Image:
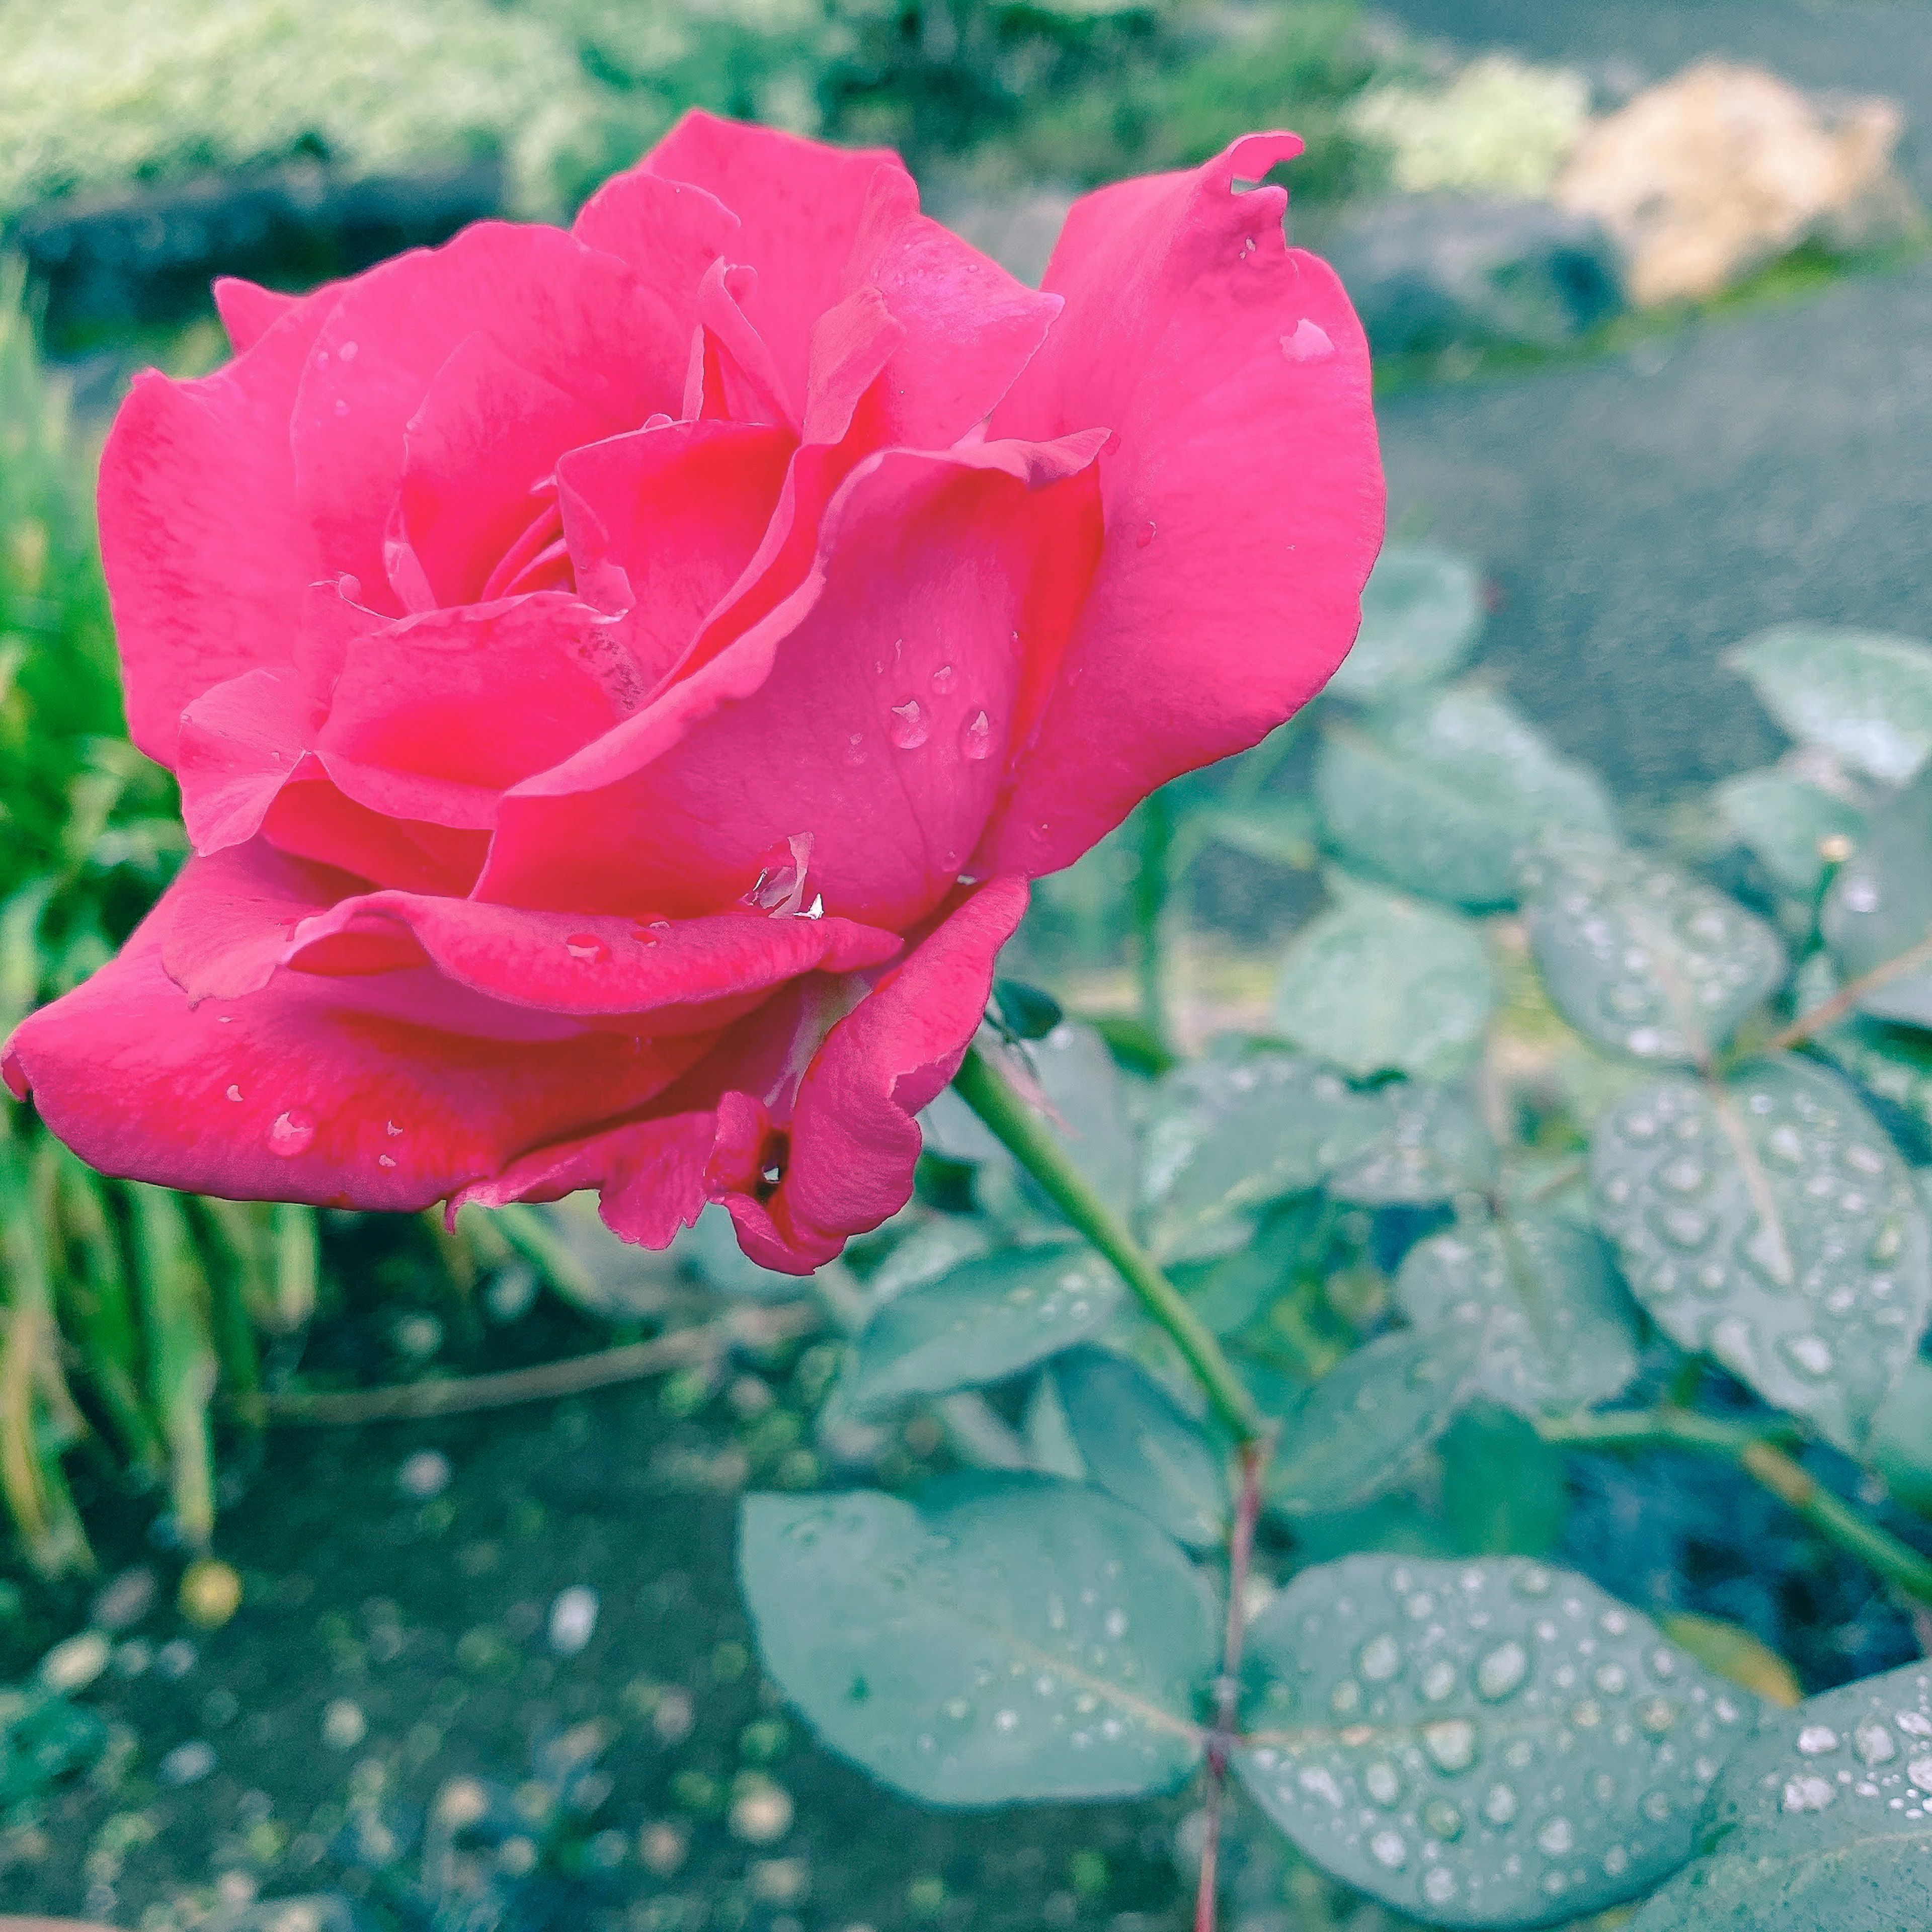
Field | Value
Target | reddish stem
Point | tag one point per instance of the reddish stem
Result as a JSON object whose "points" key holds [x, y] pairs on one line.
{"points": [[1254, 1460]]}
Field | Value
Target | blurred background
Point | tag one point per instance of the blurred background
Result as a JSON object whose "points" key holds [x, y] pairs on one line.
{"points": [[1651, 307]]}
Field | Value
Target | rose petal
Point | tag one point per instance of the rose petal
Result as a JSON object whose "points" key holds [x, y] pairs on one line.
{"points": [[669, 232], [800, 203], [664, 521], [293, 1095], [487, 433], [853, 1137], [248, 310], [867, 711], [731, 375], [1243, 498], [207, 554], [579, 320], [311, 819]]}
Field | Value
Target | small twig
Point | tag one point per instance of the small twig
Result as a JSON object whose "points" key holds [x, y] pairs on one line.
{"points": [[1752, 1447], [1254, 1459], [1843, 1003], [573, 1375]]}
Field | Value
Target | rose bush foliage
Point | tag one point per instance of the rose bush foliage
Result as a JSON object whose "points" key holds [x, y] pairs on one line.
{"points": [[622, 681]]}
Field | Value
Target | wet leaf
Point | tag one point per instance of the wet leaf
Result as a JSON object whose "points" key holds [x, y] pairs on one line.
{"points": [[1820, 1822], [1901, 1435], [1137, 1445], [1862, 694], [1879, 908], [1227, 1136], [1011, 1638], [1367, 1419], [1770, 1223], [1787, 820], [1422, 608], [1505, 1491], [1641, 957], [1440, 794], [1086, 1095], [709, 1249], [1281, 831], [1485, 1744], [1381, 984], [1026, 1012], [1435, 1147], [984, 1322], [1560, 1333], [1732, 1651]]}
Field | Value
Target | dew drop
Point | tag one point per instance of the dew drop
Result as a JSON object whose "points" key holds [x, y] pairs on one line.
{"points": [[392, 1128], [1810, 1354], [1499, 1673], [976, 737], [1310, 343], [1657, 1715], [1808, 1793], [911, 725], [1388, 1850], [1440, 1820], [291, 1132], [1499, 1803], [1556, 1836], [234, 1092], [1006, 1720], [1380, 1782], [1686, 1228], [1785, 1143], [1438, 1680], [1318, 1783], [1613, 1679], [855, 748], [1450, 1744], [1920, 1772], [944, 679], [1657, 1806], [1146, 536], [1379, 1659], [1816, 1739], [1438, 1884], [588, 947], [1874, 1743]]}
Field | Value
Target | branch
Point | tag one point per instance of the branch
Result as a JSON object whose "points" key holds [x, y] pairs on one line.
{"points": [[984, 1088], [1752, 1447], [1843, 1004]]}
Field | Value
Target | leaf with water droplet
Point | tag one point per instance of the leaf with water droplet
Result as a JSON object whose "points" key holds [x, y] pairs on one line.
{"points": [[1010, 1638], [1861, 693], [1894, 1063], [1422, 608], [1439, 794], [1369, 1417], [1484, 1744], [984, 1322], [1560, 1328], [1878, 908], [1787, 821], [1435, 1147], [1821, 1821], [1639, 956], [1732, 1651], [1382, 985], [1138, 1446], [1769, 1223], [1227, 1136]]}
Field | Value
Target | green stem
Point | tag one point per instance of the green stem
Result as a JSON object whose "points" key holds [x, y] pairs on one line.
{"points": [[1150, 908], [1754, 1448], [987, 1090]]}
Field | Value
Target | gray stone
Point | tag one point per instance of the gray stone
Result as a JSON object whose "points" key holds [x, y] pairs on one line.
{"points": [[1429, 272]]}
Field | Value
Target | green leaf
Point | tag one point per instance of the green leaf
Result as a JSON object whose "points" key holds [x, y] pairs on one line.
{"points": [[1435, 1147], [709, 1248], [1639, 956], [1025, 1012], [1732, 1651], [1560, 1333], [1484, 1744], [1880, 907], [1505, 1491], [1138, 1446], [984, 1322], [1380, 985], [1440, 794], [1422, 608], [1863, 694], [930, 1253], [1787, 820], [1901, 1435], [1367, 1420], [1820, 1821], [1011, 1638], [1087, 1095], [1228, 1135], [1281, 831], [1770, 1223]]}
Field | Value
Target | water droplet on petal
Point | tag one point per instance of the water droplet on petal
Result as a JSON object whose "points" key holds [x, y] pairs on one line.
{"points": [[944, 679], [976, 737], [911, 725], [1145, 537], [1309, 343], [385, 1160], [234, 1092], [291, 1132], [587, 947], [779, 889], [392, 1128]]}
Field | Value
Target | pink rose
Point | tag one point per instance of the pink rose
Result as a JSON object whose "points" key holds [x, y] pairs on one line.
{"points": [[622, 681]]}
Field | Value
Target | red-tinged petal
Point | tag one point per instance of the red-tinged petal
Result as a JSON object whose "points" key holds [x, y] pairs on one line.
{"points": [[868, 712], [669, 233], [208, 553], [579, 320], [853, 1138], [970, 327], [488, 433], [311, 819], [435, 716], [293, 1094], [800, 204], [731, 375], [240, 744], [853, 344], [1243, 496], [248, 310], [664, 521]]}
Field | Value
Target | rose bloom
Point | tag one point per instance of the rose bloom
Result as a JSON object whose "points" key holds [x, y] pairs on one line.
{"points": [[622, 681]]}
